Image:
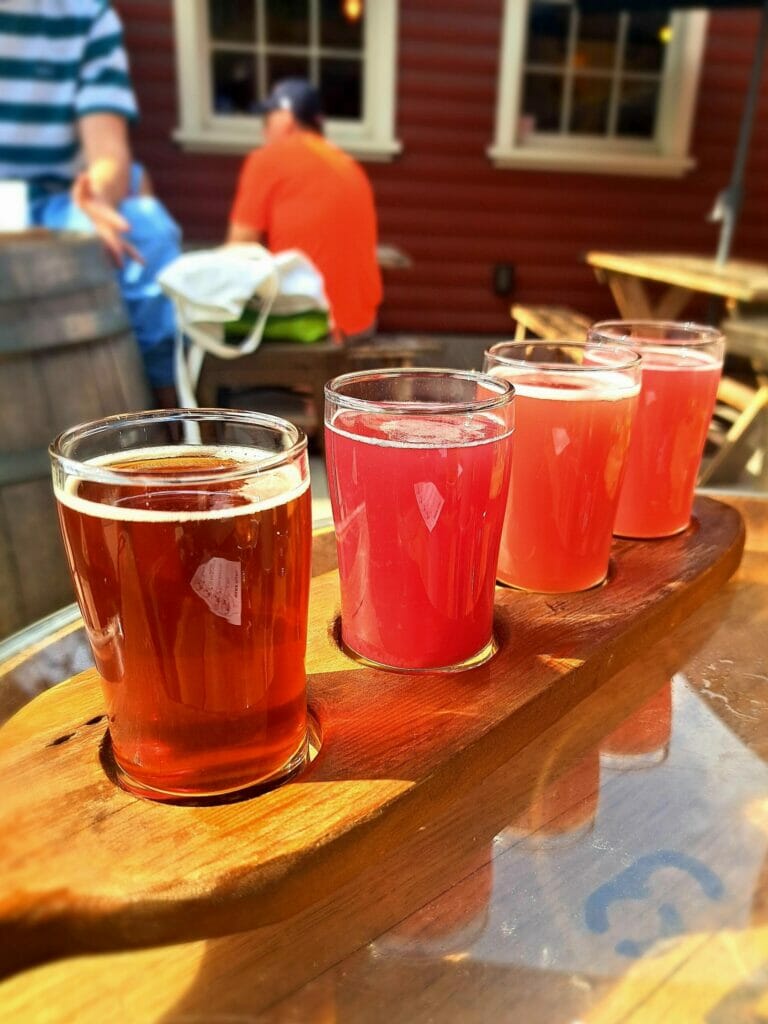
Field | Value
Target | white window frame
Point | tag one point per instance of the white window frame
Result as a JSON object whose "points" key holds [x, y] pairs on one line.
{"points": [[666, 155], [202, 130]]}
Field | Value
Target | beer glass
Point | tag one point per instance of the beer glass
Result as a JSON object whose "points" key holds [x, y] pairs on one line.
{"points": [[574, 414], [418, 467], [188, 536], [681, 370]]}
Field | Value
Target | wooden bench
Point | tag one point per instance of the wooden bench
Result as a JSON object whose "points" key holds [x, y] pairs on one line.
{"points": [[747, 435], [306, 368], [553, 323]]}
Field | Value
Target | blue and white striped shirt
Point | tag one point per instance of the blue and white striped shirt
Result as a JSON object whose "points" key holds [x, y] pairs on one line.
{"points": [[59, 60]]}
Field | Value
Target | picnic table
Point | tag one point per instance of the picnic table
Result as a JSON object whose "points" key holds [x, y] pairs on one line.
{"points": [[615, 868], [629, 275]]}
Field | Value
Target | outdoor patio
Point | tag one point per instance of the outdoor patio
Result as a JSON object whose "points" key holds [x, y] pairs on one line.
{"points": [[485, 739]]}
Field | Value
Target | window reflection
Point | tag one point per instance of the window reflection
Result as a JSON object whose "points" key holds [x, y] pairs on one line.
{"points": [[548, 33], [591, 102], [597, 40], [645, 47], [321, 40], [234, 82], [542, 99], [638, 108], [288, 22], [596, 74], [232, 21], [341, 87]]}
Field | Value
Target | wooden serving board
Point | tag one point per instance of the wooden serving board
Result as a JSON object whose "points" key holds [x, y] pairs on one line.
{"points": [[86, 867]]}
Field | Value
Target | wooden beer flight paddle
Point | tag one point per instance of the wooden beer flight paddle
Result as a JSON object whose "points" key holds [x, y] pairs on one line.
{"points": [[87, 867]]}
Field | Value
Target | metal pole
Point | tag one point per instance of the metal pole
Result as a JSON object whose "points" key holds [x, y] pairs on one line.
{"points": [[733, 196]]}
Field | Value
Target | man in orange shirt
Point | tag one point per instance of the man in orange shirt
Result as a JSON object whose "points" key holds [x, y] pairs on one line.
{"points": [[301, 192]]}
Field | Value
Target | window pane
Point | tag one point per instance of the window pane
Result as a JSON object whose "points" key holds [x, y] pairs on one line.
{"points": [[340, 24], [341, 86], [284, 66], [288, 22], [638, 104], [547, 33], [596, 45], [234, 82], [646, 42], [232, 20], [589, 112], [542, 97]]}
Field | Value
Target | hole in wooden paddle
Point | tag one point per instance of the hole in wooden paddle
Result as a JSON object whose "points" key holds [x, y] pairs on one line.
{"points": [[61, 739], [334, 632]]}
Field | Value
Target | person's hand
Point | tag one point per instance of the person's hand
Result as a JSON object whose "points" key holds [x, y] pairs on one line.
{"points": [[109, 224]]}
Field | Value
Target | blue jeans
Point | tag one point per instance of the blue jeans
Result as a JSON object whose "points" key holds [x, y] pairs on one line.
{"points": [[157, 237]]}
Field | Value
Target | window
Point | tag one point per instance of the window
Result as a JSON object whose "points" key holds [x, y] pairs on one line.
{"points": [[230, 53], [602, 92]]}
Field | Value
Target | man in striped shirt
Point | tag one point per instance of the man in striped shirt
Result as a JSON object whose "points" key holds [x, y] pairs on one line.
{"points": [[65, 104]]}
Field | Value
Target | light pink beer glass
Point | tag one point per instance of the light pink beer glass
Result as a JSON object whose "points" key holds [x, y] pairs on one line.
{"points": [[573, 420], [681, 363], [418, 470]]}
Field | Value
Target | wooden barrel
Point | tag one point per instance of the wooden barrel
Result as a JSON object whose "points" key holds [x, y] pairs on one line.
{"points": [[67, 354]]}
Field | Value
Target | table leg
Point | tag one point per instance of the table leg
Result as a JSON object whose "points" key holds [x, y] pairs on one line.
{"points": [[634, 302], [672, 303], [630, 296]]}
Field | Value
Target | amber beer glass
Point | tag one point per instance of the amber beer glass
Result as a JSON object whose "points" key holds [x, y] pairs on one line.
{"points": [[188, 536]]}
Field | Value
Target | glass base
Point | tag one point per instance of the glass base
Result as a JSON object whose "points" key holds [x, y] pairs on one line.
{"points": [[306, 753], [653, 536], [633, 762], [434, 947], [484, 654], [543, 839], [553, 593]]}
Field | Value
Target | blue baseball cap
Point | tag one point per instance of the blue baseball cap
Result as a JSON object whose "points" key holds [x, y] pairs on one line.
{"points": [[297, 95]]}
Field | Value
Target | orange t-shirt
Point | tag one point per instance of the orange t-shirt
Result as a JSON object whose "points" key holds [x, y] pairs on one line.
{"points": [[304, 193]]}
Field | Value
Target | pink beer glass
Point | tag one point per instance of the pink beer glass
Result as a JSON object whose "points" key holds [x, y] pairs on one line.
{"points": [[418, 470], [681, 364], [572, 427]]}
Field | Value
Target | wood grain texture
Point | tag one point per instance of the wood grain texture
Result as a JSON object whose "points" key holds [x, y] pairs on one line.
{"points": [[553, 323], [397, 752], [740, 280], [67, 355], [34, 265]]}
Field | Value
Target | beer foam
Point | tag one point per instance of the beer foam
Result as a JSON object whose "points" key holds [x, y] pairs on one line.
{"points": [[673, 359], [427, 431], [266, 490], [580, 386]]}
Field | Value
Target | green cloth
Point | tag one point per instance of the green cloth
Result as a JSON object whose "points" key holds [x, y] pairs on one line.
{"points": [[302, 327]]}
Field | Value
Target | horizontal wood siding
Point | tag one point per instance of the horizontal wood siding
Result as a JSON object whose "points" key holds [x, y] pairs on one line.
{"points": [[442, 200]]}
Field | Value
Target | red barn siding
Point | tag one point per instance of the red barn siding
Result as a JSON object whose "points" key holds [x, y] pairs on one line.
{"points": [[444, 203]]}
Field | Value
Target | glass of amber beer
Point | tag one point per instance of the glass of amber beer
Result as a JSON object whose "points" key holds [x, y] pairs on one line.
{"points": [[188, 536]]}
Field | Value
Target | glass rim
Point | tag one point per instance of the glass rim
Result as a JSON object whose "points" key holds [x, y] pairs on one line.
{"points": [[700, 334], [504, 393], [124, 477], [625, 362]]}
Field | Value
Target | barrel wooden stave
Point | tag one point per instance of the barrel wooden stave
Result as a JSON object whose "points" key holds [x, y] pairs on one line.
{"points": [[67, 355]]}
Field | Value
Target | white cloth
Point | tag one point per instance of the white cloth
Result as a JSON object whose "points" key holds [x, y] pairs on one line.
{"points": [[211, 287]]}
